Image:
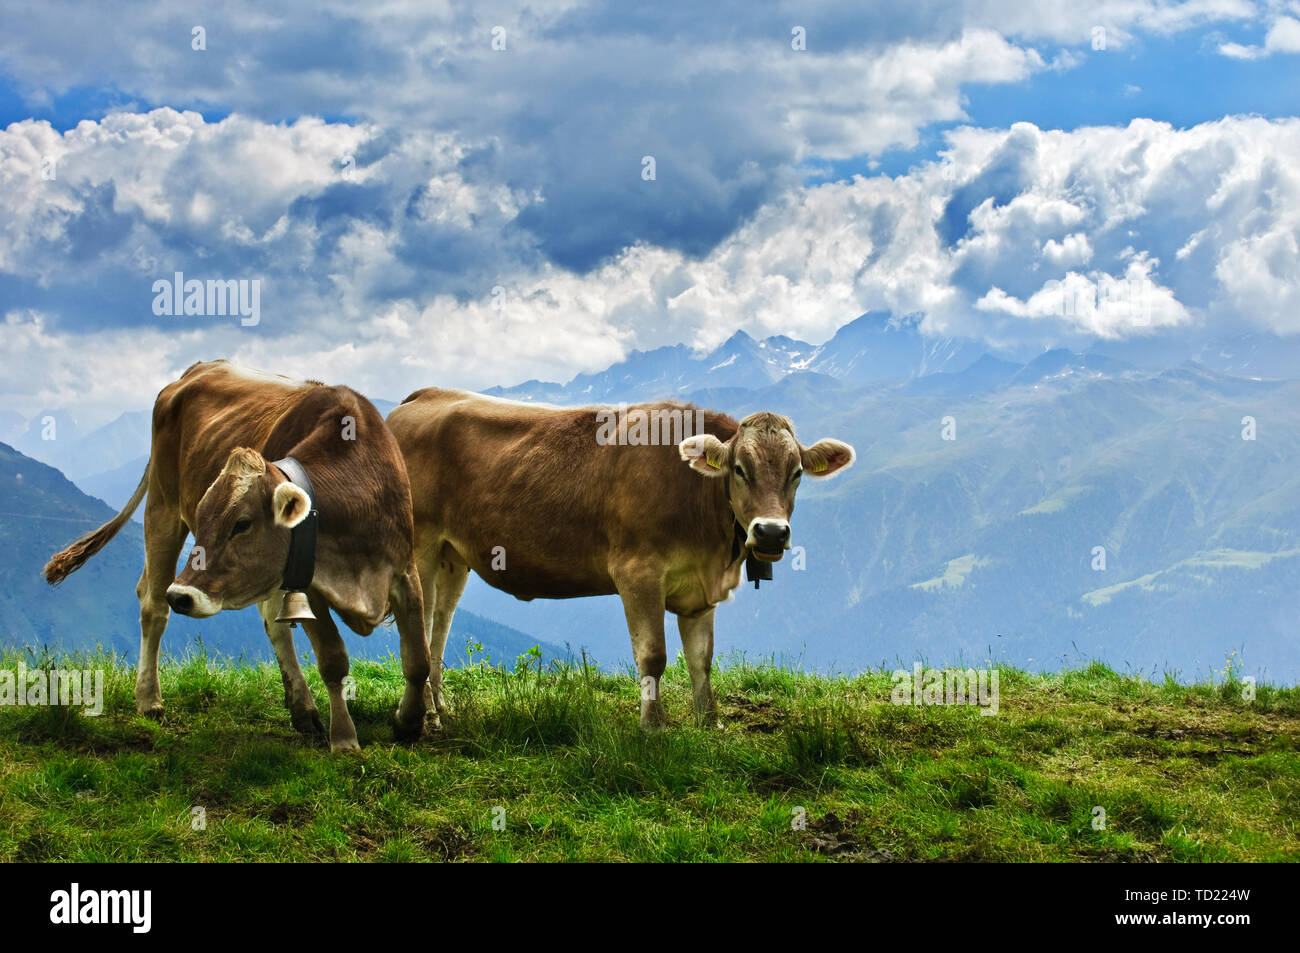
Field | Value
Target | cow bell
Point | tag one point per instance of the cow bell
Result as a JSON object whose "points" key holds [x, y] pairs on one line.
{"points": [[295, 609]]}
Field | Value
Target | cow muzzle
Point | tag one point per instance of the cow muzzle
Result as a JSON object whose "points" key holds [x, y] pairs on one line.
{"points": [[768, 538], [187, 600]]}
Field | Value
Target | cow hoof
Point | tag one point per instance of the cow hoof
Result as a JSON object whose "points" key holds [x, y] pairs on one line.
{"points": [[407, 729], [154, 710], [307, 722], [432, 721], [433, 699], [344, 744], [653, 717], [709, 721]]}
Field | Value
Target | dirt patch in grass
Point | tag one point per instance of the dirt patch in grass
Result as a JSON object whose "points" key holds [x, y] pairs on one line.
{"points": [[760, 717], [448, 843], [833, 836], [365, 846], [286, 813], [1204, 740], [1113, 855]]}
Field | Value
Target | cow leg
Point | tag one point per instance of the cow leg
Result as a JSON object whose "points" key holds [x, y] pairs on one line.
{"points": [[697, 644], [297, 696], [164, 535], [444, 582], [643, 604], [408, 610], [332, 662]]}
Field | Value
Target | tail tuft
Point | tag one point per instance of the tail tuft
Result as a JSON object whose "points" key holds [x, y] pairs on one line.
{"points": [[67, 561]]}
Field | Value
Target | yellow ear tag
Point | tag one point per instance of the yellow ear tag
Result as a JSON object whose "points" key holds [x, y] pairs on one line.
{"points": [[819, 466], [712, 460]]}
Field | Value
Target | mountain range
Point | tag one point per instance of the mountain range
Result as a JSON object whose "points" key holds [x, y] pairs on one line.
{"points": [[1132, 504]]}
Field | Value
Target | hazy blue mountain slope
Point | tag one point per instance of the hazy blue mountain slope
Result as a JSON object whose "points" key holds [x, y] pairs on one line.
{"points": [[79, 454], [115, 486]]}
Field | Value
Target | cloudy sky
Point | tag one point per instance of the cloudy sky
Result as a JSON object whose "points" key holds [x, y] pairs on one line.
{"points": [[461, 193]]}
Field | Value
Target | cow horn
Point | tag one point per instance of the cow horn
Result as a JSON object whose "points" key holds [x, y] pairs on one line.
{"points": [[295, 609]]}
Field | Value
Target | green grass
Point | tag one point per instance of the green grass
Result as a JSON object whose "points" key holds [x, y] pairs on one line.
{"points": [[1183, 773]]}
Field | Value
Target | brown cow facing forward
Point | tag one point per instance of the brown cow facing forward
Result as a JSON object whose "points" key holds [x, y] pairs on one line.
{"points": [[541, 504], [216, 432]]}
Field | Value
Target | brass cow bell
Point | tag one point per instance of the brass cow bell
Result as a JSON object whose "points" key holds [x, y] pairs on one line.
{"points": [[295, 609]]}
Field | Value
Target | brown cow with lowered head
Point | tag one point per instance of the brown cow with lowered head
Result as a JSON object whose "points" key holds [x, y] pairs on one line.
{"points": [[537, 502], [216, 431]]}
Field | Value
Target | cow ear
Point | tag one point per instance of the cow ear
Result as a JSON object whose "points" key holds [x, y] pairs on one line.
{"points": [[705, 453], [827, 457], [291, 504]]}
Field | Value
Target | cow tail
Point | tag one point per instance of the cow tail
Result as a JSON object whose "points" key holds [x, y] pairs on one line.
{"points": [[67, 561]]}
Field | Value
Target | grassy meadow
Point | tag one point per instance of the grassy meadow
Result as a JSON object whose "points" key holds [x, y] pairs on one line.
{"points": [[550, 765]]}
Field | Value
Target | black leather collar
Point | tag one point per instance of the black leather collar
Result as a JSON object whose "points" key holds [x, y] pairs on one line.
{"points": [[300, 566]]}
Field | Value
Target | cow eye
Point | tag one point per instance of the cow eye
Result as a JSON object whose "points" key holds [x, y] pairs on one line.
{"points": [[739, 471], [794, 477], [242, 526]]}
